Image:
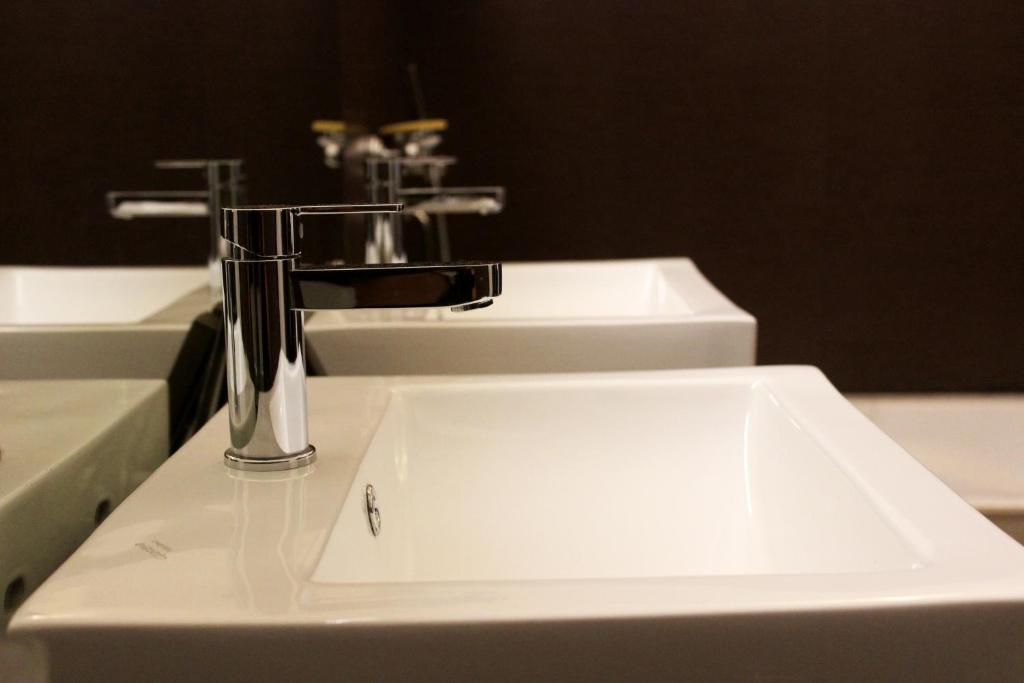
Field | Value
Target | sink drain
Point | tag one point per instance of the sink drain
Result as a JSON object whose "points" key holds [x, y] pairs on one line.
{"points": [[372, 512]]}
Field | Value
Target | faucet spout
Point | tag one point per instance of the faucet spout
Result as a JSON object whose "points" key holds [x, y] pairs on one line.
{"points": [[396, 286]]}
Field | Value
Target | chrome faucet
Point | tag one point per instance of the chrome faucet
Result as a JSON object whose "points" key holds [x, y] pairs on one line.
{"points": [[266, 292], [384, 236], [406, 171], [386, 181], [411, 171], [224, 187]]}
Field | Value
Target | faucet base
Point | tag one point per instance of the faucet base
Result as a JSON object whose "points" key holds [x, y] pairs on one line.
{"points": [[248, 463]]}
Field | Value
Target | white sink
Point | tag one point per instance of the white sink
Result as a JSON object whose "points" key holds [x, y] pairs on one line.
{"points": [[82, 296], [551, 317], [70, 450], [58, 322], [716, 469], [973, 442], [730, 523]]}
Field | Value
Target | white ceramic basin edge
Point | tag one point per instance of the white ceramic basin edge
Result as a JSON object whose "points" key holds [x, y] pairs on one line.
{"points": [[557, 316], [95, 322], [198, 545]]}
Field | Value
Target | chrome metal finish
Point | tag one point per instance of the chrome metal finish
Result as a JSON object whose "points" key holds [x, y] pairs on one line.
{"points": [[410, 170], [289, 462], [265, 365], [273, 231], [372, 511], [265, 294], [225, 186], [384, 243], [387, 178], [483, 303], [395, 286], [196, 164], [436, 201], [422, 164], [157, 203]]}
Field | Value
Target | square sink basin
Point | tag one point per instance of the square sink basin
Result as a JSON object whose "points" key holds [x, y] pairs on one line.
{"points": [[580, 316], [70, 451], [720, 476], [732, 524], [80, 323]]}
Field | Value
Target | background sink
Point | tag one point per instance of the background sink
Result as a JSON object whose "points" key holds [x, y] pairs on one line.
{"points": [[974, 443], [551, 317], [70, 451], [76, 296], [75, 323], [562, 527]]}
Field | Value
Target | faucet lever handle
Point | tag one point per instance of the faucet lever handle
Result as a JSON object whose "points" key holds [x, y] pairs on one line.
{"points": [[334, 209], [199, 164], [275, 231]]}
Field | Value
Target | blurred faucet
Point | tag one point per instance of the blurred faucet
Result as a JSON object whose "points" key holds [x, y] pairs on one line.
{"points": [[401, 165], [331, 135], [410, 172], [224, 187], [429, 201], [266, 291]]}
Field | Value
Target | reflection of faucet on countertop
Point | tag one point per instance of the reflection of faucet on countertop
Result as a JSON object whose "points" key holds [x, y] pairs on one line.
{"points": [[224, 187], [266, 291]]}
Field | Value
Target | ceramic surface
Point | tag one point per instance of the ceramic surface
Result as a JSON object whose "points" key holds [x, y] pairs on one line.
{"points": [[737, 523], [551, 317], [974, 443], [84, 323], [82, 296], [70, 451]]}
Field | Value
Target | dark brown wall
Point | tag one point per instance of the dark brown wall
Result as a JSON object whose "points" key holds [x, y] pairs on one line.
{"points": [[95, 91], [850, 173]]}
